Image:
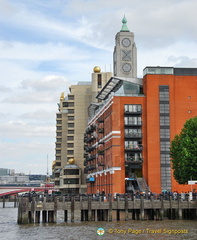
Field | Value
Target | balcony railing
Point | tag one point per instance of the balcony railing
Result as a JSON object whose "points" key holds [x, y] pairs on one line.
{"points": [[133, 135], [101, 152], [133, 123], [133, 160], [134, 147], [133, 112]]}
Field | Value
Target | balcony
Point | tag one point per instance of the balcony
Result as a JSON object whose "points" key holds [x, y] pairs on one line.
{"points": [[89, 149], [134, 147], [133, 123], [101, 130], [100, 121], [133, 135], [89, 168], [101, 152], [90, 158], [90, 129], [127, 112], [133, 160]]}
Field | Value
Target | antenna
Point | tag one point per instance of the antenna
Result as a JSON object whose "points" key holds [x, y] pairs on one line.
{"points": [[47, 167]]}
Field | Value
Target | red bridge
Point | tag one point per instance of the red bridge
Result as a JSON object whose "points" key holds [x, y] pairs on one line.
{"points": [[6, 191]]}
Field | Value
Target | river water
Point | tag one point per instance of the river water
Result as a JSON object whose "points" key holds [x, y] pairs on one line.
{"points": [[148, 230]]}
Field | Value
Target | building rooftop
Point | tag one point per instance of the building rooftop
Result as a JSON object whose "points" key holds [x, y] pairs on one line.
{"points": [[170, 71], [123, 85]]}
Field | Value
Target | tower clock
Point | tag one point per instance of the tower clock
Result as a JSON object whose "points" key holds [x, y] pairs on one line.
{"points": [[125, 53]]}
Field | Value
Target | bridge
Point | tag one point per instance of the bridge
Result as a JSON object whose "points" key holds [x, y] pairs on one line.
{"points": [[7, 191]]}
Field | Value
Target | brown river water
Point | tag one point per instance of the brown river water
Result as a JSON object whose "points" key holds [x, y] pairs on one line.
{"points": [[164, 230]]}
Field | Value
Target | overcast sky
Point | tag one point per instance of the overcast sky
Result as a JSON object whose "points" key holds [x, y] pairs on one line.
{"points": [[48, 45]]}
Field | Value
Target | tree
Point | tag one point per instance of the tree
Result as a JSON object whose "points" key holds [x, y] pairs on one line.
{"points": [[183, 152]]}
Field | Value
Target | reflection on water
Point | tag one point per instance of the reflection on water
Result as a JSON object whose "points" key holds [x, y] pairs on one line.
{"points": [[167, 229]]}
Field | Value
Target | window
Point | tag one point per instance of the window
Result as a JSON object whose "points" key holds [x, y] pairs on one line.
{"points": [[59, 121], [71, 181], [65, 104], [164, 108], [59, 128], [70, 131], [59, 134], [99, 81], [70, 125], [71, 111], [70, 152], [71, 97], [165, 146], [70, 138], [133, 120], [70, 118], [164, 133], [71, 171], [164, 120], [132, 145], [133, 132], [70, 145], [133, 108], [59, 115], [58, 145], [58, 151], [71, 104]]}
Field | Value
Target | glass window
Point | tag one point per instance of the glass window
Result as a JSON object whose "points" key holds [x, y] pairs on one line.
{"points": [[70, 138], [71, 97], [70, 152], [70, 125], [71, 171], [71, 181], [70, 145], [70, 131], [99, 81], [70, 111]]}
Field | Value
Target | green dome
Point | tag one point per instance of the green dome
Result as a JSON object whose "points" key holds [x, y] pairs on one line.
{"points": [[124, 25]]}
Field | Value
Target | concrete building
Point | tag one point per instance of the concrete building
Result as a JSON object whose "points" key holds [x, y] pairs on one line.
{"points": [[71, 122]]}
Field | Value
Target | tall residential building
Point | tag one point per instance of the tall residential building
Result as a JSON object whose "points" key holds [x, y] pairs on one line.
{"points": [[71, 122], [128, 135]]}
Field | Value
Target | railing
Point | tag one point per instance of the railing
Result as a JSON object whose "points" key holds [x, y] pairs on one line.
{"points": [[115, 197], [134, 147], [133, 135], [133, 123], [133, 160]]}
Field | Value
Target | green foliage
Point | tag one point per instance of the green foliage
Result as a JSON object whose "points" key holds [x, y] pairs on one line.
{"points": [[183, 152]]}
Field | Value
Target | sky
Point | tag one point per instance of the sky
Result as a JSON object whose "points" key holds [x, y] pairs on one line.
{"points": [[48, 45]]}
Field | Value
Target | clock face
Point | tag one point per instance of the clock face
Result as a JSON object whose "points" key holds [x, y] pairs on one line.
{"points": [[126, 67], [126, 42], [126, 55]]}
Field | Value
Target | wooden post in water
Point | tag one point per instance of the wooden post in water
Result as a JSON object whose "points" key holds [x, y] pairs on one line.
{"points": [[3, 201], [23, 210], [72, 208], [110, 207], [141, 207], [55, 210], [162, 207], [126, 207], [117, 208], [89, 208], [170, 206], [180, 213], [32, 213]]}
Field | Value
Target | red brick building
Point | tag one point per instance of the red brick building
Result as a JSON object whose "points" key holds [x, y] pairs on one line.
{"points": [[128, 137], [130, 128]]}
